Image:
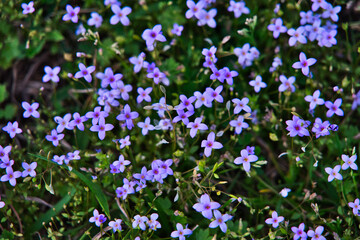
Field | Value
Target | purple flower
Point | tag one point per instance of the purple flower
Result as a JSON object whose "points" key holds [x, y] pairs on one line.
{"points": [[194, 9], [349, 162], [186, 103], [138, 62], [306, 17], [12, 129], [30, 110], [257, 84], [145, 126], [177, 29], [297, 36], [314, 99], [115, 225], [161, 106], [205, 206], [153, 224], [11, 176], [72, 14], [54, 137], [2, 204], [157, 75], [124, 89], [297, 126], [284, 192], [156, 173], [227, 75], [331, 12], [120, 15], [181, 232], [314, 30], [275, 219], [277, 27], [299, 232], [28, 8], [140, 221], [108, 77], [152, 35], [304, 63], [220, 220], [195, 126], [120, 164], [97, 218], [203, 99], [29, 169], [239, 124], [318, 3], [238, 8], [183, 116], [127, 116], [215, 94], [245, 159], [142, 176], [355, 206], [333, 173], [210, 143], [4, 153], [101, 128], [317, 234], [58, 159], [241, 105], [95, 20], [207, 17], [321, 128], [85, 72], [144, 94], [125, 142], [287, 84], [96, 115], [334, 108], [51, 74], [250, 150], [78, 121], [63, 123]]}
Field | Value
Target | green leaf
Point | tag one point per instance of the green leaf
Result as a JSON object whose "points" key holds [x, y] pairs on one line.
{"points": [[55, 36], [7, 235], [96, 189], [273, 137], [3, 93], [46, 217]]}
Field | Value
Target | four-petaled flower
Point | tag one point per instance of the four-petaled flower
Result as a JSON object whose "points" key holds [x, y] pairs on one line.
{"points": [[275, 219], [239, 124], [12, 129], [257, 83], [152, 35], [116, 225], [101, 128], [97, 218], [54, 137], [127, 116], [72, 14], [314, 99], [30, 110], [120, 15], [180, 232], [333, 173], [349, 162], [355, 206], [277, 27], [210, 143], [195, 126], [304, 63], [317, 234], [28, 8], [11, 176], [334, 108], [29, 169], [245, 159], [85, 72], [220, 220], [299, 232], [205, 206], [51, 74]]}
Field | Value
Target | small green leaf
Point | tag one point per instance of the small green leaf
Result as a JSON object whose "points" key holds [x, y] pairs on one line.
{"points": [[273, 137]]}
